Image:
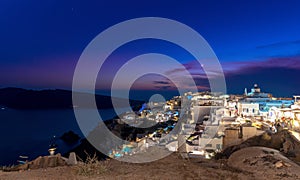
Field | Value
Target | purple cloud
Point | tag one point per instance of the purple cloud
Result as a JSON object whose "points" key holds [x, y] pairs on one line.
{"points": [[279, 76], [279, 62], [282, 72]]}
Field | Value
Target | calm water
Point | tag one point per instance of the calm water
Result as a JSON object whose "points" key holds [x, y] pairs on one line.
{"points": [[28, 132]]}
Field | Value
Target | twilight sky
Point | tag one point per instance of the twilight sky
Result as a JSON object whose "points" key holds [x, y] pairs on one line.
{"points": [[255, 41]]}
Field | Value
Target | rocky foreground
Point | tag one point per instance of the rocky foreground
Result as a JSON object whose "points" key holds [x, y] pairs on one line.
{"points": [[249, 160], [248, 163]]}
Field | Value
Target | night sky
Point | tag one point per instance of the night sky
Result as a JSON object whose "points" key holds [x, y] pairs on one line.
{"points": [[255, 41]]}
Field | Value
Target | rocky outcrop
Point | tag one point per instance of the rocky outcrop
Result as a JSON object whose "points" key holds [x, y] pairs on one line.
{"points": [[264, 162], [70, 137], [44, 162], [282, 141]]}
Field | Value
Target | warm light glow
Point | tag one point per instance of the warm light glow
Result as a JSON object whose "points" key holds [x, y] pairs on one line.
{"points": [[296, 123]]}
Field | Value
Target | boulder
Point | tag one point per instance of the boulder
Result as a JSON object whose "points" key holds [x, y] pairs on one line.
{"points": [[72, 159]]}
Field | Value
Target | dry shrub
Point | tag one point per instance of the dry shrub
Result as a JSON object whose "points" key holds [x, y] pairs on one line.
{"points": [[8, 168], [266, 137], [91, 166]]}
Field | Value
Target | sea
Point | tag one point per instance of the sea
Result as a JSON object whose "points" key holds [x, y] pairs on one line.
{"points": [[30, 132]]}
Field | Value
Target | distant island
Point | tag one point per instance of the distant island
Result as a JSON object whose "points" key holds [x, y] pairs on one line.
{"points": [[18, 98]]}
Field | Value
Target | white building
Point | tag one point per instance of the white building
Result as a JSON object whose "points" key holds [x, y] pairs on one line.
{"points": [[256, 95], [248, 109], [296, 104]]}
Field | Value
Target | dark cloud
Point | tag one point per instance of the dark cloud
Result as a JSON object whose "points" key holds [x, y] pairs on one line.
{"points": [[164, 87], [189, 66], [201, 82], [279, 44], [161, 82]]}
